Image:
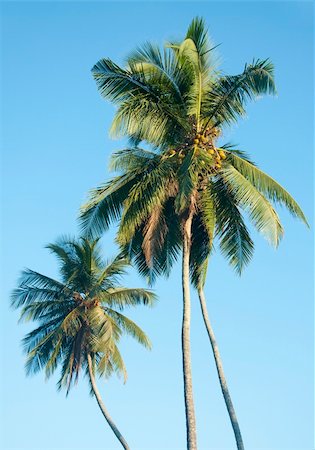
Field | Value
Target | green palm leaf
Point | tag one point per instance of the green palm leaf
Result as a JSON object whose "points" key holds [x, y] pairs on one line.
{"points": [[122, 297], [261, 213], [129, 327], [226, 100], [266, 185], [235, 242], [117, 84], [159, 68], [105, 205]]}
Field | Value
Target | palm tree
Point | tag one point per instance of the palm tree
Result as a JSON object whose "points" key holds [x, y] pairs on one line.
{"points": [[154, 245], [188, 189], [79, 325]]}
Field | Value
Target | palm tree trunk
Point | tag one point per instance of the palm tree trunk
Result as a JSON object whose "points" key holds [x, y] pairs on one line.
{"points": [[188, 391], [102, 406], [218, 362]]}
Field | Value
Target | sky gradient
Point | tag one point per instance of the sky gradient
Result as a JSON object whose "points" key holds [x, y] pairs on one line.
{"points": [[55, 147]]}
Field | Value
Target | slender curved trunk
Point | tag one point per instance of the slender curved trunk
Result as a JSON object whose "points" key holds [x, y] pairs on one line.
{"points": [[102, 406], [188, 391], [218, 362]]}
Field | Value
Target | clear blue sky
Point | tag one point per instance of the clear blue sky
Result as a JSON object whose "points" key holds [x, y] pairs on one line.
{"points": [[55, 147]]}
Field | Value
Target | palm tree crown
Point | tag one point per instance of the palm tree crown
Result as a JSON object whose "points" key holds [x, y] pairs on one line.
{"points": [[146, 196], [78, 315], [178, 102]]}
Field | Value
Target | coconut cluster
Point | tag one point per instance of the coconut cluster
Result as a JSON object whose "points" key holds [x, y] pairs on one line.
{"points": [[205, 143], [201, 144]]}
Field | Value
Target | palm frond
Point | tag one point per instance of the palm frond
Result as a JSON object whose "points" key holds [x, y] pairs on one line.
{"points": [[225, 102], [147, 121], [164, 257], [235, 242], [147, 194], [201, 247], [27, 295], [117, 84], [206, 208], [266, 185], [122, 297], [39, 354], [34, 337], [35, 286], [187, 182], [112, 272], [261, 213], [130, 327], [154, 233], [158, 67], [133, 160], [118, 363], [105, 205], [54, 358], [46, 309]]}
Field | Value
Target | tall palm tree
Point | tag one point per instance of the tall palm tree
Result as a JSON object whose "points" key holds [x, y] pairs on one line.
{"points": [[188, 189], [79, 325], [154, 244]]}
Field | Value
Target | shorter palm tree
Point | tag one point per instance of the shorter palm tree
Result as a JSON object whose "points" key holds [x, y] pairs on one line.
{"points": [[79, 326]]}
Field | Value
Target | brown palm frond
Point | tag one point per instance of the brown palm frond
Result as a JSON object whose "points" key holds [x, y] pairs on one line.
{"points": [[154, 233]]}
